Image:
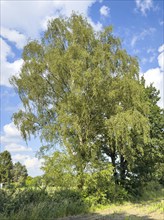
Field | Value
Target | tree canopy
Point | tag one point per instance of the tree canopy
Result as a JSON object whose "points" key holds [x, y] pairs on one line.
{"points": [[6, 166], [11, 173], [82, 90]]}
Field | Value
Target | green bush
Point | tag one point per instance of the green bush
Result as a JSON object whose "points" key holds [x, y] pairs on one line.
{"points": [[151, 190], [100, 188], [4, 198], [38, 204]]}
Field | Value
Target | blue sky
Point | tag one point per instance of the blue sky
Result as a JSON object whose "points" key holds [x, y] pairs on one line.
{"points": [[139, 24]]}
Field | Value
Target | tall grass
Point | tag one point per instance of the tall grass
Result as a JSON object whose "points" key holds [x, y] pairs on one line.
{"points": [[34, 204], [38, 204]]}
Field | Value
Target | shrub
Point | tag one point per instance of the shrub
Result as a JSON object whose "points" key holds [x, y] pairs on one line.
{"points": [[4, 198]]}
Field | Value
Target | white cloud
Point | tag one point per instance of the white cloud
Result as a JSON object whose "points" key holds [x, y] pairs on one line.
{"points": [[65, 8], [8, 69], [96, 26], [27, 160], [32, 163], [14, 36], [161, 57], [161, 61], [11, 134], [144, 5], [27, 16], [104, 10], [155, 76], [26, 19], [12, 142], [45, 21], [14, 147], [5, 50], [142, 35], [161, 48]]}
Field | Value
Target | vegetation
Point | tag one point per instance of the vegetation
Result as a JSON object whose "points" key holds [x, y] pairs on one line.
{"points": [[39, 204], [11, 173], [81, 91]]}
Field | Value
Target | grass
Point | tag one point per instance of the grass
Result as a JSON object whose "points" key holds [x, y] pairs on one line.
{"points": [[127, 211], [145, 209], [34, 205]]}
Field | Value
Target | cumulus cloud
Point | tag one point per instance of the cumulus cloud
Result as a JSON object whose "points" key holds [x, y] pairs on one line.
{"points": [[161, 61], [14, 147], [161, 48], [96, 26], [12, 142], [11, 134], [14, 36], [32, 163], [161, 57], [142, 35], [144, 5], [30, 23], [104, 10], [21, 23], [155, 75], [8, 69]]}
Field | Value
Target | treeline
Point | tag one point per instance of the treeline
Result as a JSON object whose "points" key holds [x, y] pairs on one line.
{"points": [[10, 173]]}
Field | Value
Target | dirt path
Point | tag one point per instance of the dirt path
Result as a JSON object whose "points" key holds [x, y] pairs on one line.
{"points": [[151, 211]]}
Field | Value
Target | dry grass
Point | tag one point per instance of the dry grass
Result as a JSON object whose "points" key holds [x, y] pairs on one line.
{"points": [[151, 210]]}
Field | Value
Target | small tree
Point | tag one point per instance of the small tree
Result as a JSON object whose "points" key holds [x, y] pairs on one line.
{"points": [[6, 167], [19, 174]]}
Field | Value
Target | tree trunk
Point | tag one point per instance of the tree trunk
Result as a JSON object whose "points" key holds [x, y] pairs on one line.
{"points": [[123, 168], [115, 174]]}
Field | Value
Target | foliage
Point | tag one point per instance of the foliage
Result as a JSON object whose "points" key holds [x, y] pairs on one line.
{"points": [[100, 188], [80, 89], [6, 167], [4, 198], [19, 173], [59, 170], [38, 204], [149, 166], [11, 173]]}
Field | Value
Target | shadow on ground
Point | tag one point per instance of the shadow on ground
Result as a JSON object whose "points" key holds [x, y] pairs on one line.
{"points": [[114, 216]]}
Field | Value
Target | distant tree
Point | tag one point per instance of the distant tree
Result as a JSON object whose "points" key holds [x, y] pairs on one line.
{"points": [[6, 167], [29, 180], [19, 174]]}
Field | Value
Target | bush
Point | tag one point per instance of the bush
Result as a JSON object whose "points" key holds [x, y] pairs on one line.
{"points": [[100, 188], [151, 190], [4, 198], [38, 204]]}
